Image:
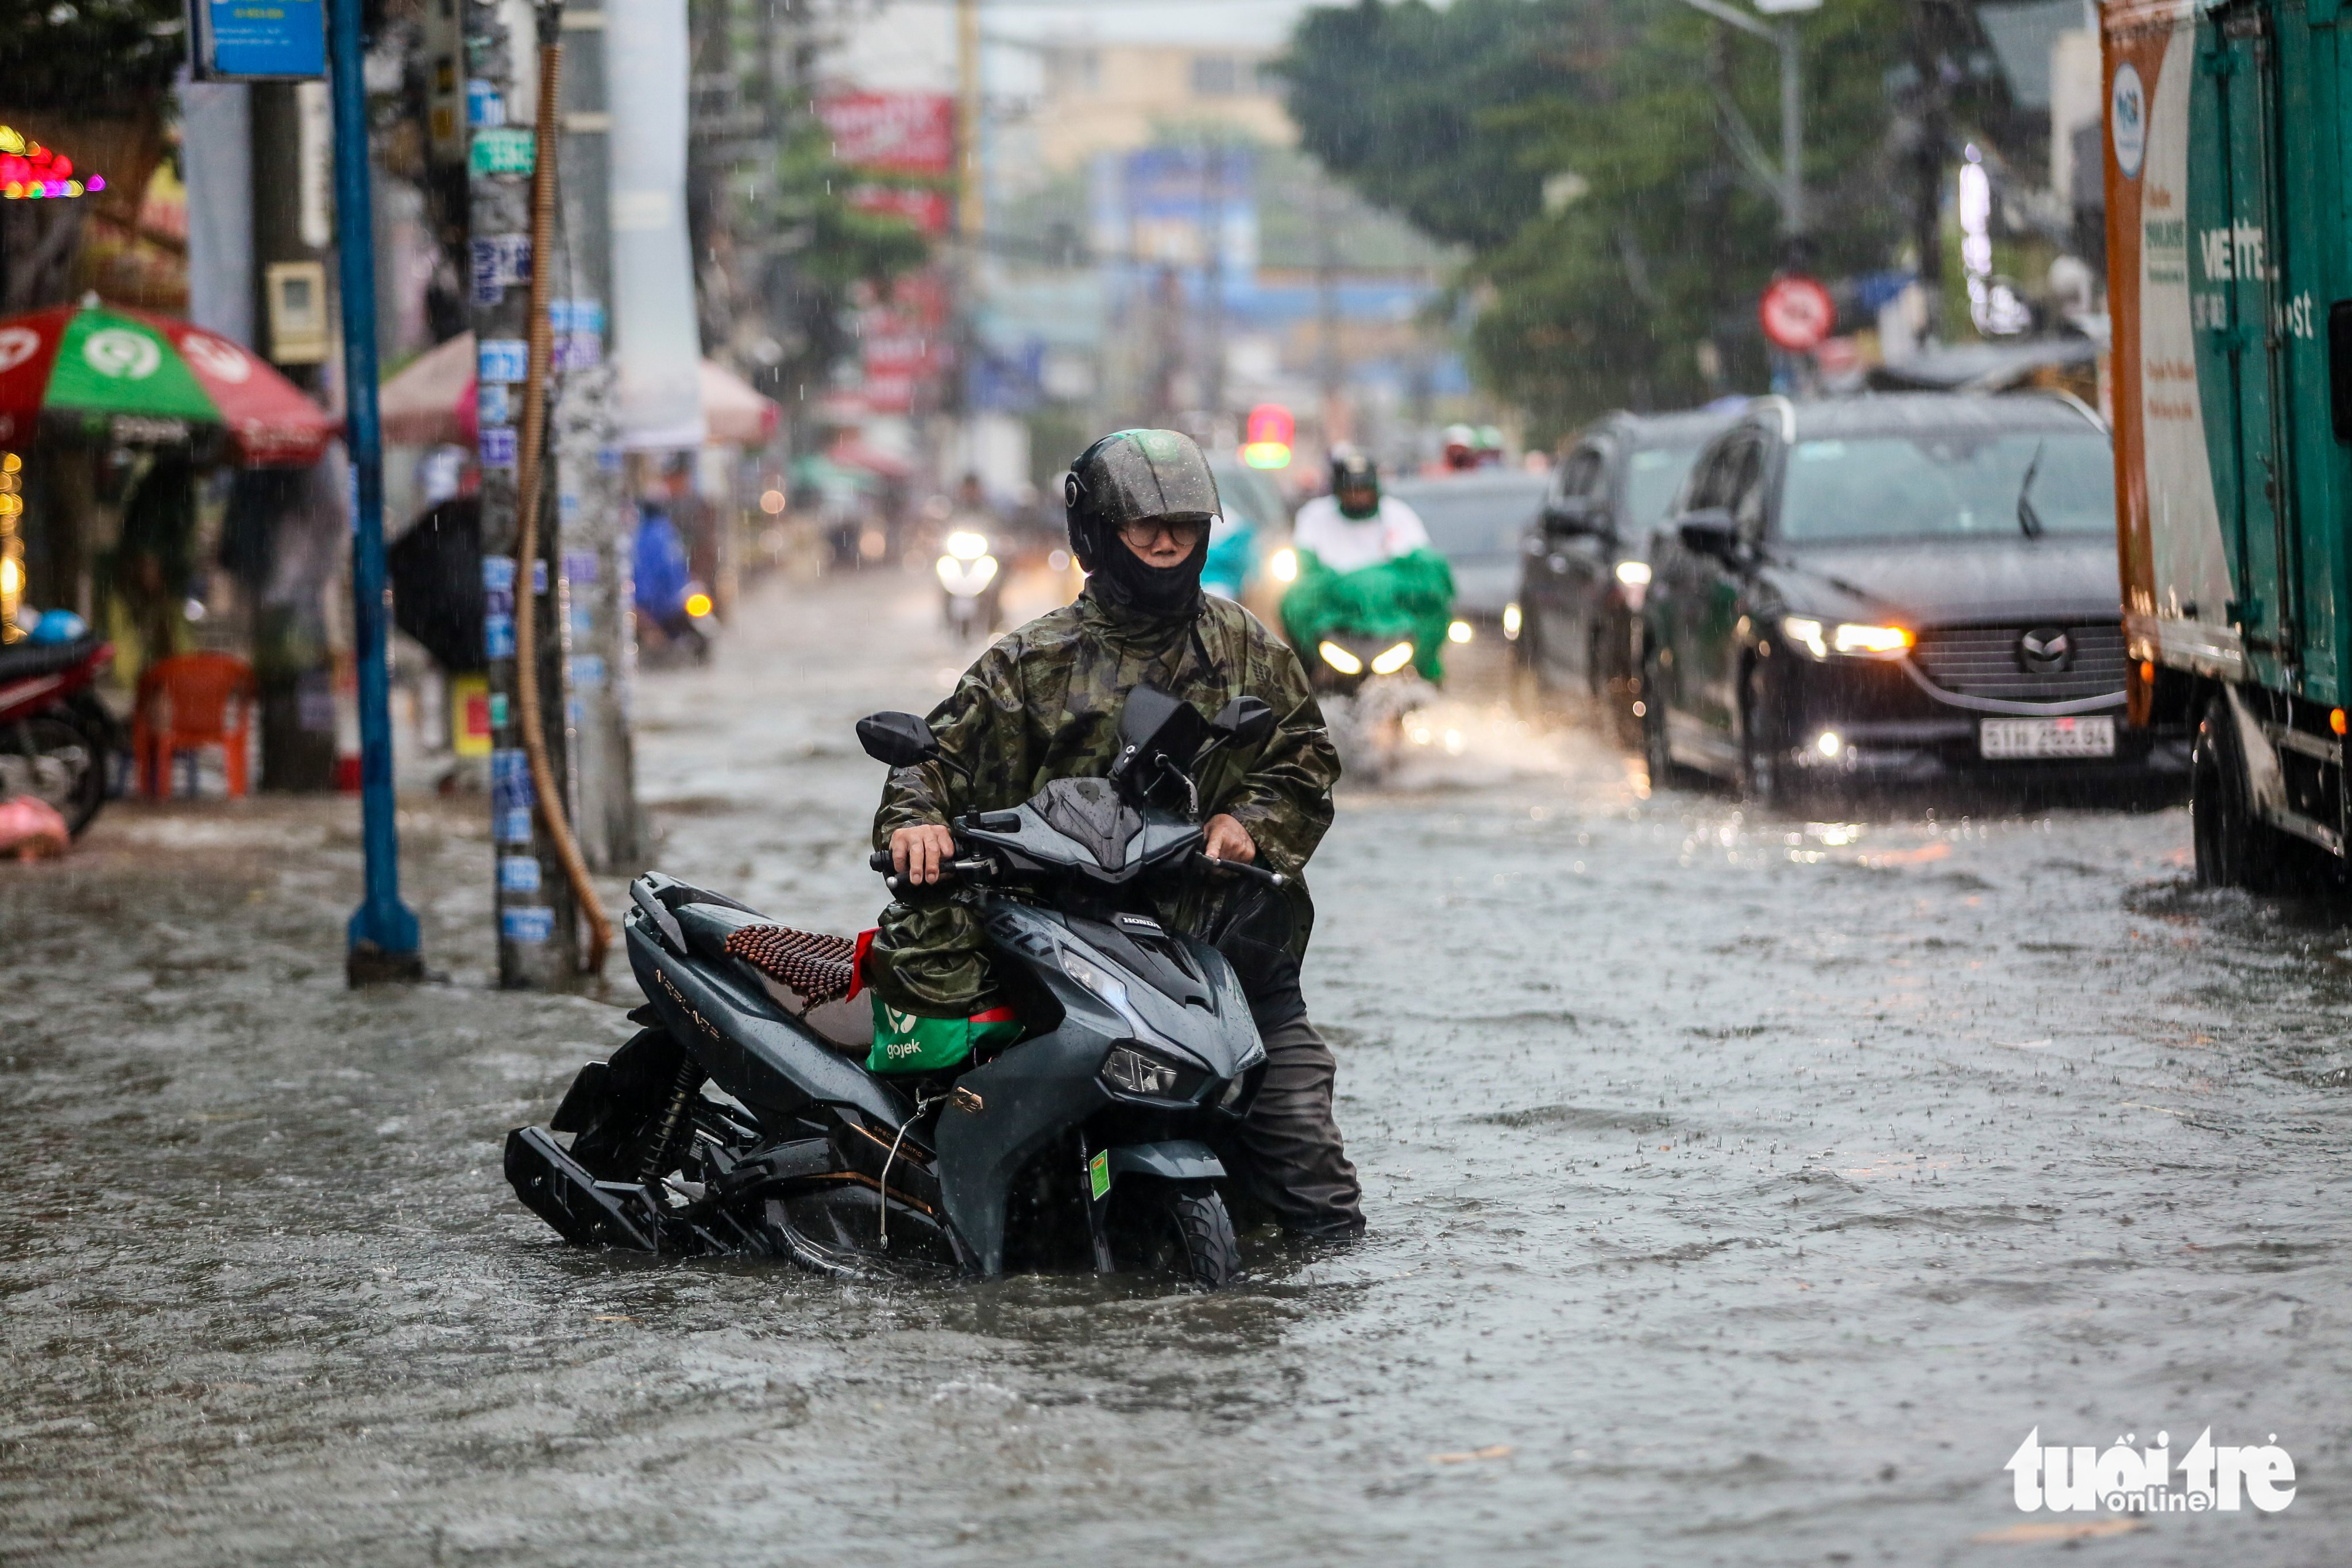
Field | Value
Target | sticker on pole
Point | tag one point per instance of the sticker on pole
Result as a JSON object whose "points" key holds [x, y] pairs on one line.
{"points": [[1796, 312]]}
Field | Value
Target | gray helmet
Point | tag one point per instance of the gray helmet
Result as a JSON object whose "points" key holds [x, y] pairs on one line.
{"points": [[1136, 476], [1131, 476]]}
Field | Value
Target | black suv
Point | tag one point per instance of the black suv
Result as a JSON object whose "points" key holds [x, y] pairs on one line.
{"points": [[1894, 588], [1583, 562]]}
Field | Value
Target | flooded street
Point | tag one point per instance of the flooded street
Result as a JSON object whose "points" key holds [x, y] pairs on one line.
{"points": [[1742, 1189]]}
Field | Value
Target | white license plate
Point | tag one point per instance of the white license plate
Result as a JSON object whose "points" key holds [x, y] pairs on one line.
{"points": [[2025, 738]]}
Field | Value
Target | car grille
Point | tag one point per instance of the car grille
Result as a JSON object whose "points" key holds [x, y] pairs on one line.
{"points": [[1984, 661]]}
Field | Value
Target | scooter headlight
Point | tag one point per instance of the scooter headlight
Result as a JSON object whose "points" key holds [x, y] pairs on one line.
{"points": [[966, 545], [964, 579], [1339, 658], [1393, 659], [1139, 1072]]}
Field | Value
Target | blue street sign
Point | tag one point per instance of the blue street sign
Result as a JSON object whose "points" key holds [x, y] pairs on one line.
{"points": [[264, 39]]}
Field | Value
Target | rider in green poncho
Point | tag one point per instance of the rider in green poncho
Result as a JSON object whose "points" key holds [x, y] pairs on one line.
{"points": [[1365, 567]]}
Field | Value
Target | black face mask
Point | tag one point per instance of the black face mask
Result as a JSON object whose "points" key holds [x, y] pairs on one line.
{"points": [[1125, 580]]}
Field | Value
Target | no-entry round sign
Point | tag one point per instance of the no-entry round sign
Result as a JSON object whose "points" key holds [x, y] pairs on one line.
{"points": [[1797, 312]]}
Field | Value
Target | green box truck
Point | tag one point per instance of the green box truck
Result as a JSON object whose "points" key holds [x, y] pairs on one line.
{"points": [[2230, 290]]}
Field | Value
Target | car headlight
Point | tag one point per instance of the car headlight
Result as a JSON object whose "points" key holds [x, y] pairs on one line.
{"points": [[1139, 1072], [1851, 639], [966, 545], [1339, 658], [1393, 659]]}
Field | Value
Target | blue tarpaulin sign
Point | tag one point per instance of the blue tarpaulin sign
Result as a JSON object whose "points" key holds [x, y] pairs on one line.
{"points": [[265, 38]]}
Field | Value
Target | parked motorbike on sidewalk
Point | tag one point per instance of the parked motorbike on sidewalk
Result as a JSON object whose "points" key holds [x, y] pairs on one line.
{"points": [[55, 736], [745, 1119], [972, 584]]}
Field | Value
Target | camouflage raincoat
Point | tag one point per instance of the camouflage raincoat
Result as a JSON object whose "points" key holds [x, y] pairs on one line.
{"points": [[1043, 703]]}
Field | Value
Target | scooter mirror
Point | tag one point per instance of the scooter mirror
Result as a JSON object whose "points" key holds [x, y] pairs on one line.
{"points": [[900, 740], [1244, 721]]}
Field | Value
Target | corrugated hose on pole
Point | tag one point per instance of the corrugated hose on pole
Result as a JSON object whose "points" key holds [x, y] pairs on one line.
{"points": [[529, 472]]}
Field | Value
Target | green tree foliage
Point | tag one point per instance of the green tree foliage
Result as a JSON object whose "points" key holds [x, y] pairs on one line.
{"points": [[1659, 234], [1396, 99]]}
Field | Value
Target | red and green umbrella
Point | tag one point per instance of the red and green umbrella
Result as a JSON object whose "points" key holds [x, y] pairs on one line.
{"points": [[95, 372]]}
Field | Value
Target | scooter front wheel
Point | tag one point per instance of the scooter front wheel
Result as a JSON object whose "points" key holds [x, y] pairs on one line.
{"points": [[1163, 1228]]}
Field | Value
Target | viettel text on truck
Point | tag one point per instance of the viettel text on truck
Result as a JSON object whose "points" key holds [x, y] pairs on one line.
{"points": [[2229, 273]]}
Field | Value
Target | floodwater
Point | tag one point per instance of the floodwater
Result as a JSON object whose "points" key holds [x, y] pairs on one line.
{"points": [[1743, 1189]]}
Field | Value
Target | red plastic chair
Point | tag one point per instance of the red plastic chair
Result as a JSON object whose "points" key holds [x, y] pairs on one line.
{"points": [[187, 702]]}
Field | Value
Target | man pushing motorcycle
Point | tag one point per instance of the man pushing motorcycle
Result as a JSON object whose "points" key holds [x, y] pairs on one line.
{"points": [[1044, 703]]}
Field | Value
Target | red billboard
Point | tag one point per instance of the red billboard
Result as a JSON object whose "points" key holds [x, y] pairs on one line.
{"points": [[910, 133], [892, 132]]}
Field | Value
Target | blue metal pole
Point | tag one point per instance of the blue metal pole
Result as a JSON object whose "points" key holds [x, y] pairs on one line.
{"points": [[382, 937]]}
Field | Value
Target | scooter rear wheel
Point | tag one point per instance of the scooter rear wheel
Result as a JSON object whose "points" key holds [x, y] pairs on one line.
{"points": [[1180, 1230], [53, 757]]}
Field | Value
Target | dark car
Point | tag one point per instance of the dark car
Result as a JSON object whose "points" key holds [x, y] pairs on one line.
{"points": [[1894, 588], [1583, 562], [1475, 521]]}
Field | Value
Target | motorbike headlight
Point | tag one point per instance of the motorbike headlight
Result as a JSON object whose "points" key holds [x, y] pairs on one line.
{"points": [[1233, 1095], [1511, 621], [983, 572], [1339, 658], [1283, 565], [1139, 1072], [950, 571], [1634, 573], [1460, 631], [1393, 659], [966, 545], [697, 606], [1091, 977]]}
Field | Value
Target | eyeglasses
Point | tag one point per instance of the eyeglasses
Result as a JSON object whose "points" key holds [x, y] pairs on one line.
{"points": [[1185, 531]]}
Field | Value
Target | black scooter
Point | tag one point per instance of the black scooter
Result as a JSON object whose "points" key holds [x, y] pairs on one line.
{"points": [[742, 1119]]}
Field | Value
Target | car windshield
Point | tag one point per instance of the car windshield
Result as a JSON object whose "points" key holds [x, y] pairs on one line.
{"points": [[1476, 519], [1952, 485], [1651, 478]]}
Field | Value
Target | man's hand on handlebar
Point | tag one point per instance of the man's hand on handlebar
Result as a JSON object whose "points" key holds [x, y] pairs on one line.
{"points": [[918, 853], [1227, 840]]}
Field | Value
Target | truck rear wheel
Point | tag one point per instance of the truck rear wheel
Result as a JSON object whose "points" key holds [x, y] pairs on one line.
{"points": [[2235, 848]]}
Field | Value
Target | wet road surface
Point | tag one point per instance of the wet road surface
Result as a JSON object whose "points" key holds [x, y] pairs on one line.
{"points": [[1743, 1189]]}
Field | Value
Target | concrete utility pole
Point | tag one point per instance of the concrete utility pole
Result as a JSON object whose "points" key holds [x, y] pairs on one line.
{"points": [[1790, 178], [971, 214], [538, 918], [292, 668], [601, 653]]}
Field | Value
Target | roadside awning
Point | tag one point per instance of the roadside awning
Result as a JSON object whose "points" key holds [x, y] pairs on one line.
{"points": [[432, 401]]}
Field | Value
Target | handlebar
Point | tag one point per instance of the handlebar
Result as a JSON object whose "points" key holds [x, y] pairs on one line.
{"points": [[974, 865], [1242, 869]]}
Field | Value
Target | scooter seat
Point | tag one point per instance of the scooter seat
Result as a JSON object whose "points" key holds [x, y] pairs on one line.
{"points": [[810, 974], [25, 660]]}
